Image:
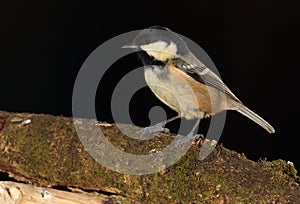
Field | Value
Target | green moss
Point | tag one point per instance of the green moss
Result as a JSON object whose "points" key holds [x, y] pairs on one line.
{"points": [[282, 167]]}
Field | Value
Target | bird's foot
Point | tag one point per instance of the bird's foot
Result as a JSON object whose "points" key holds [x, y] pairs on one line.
{"points": [[159, 127], [190, 137], [206, 148]]}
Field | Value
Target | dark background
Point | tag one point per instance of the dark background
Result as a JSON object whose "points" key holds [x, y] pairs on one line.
{"points": [[254, 44]]}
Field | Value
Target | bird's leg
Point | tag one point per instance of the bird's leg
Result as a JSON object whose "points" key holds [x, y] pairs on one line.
{"points": [[191, 136], [158, 127]]}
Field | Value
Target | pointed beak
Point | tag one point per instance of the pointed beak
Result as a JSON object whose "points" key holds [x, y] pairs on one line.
{"points": [[131, 46]]}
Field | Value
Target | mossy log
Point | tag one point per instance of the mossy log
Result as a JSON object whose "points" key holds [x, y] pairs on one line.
{"points": [[45, 150]]}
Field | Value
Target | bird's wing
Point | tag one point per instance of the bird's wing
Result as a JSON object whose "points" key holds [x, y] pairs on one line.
{"points": [[204, 75]]}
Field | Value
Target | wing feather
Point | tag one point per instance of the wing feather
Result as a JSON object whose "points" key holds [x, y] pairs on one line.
{"points": [[204, 75]]}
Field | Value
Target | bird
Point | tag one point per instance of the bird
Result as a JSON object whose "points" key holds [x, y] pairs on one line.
{"points": [[181, 81]]}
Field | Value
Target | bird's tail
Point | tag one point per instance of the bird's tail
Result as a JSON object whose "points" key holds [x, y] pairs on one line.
{"points": [[256, 118]]}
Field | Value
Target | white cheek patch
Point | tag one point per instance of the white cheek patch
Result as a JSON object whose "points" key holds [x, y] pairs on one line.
{"points": [[161, 50]]}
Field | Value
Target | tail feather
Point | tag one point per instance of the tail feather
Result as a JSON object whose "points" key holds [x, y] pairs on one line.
{"points": [[256, 118]]}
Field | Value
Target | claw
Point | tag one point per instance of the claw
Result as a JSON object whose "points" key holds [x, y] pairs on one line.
{"points": [[187, 139]]}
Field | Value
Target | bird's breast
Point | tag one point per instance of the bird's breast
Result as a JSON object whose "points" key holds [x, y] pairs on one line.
{"points": [[181, 93]]}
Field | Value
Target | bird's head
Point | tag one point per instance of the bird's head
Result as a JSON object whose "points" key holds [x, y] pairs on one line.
{"points": [[159, 42]]}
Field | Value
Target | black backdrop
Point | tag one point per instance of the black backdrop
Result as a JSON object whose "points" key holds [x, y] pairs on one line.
{"points": [[254, 44]]}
